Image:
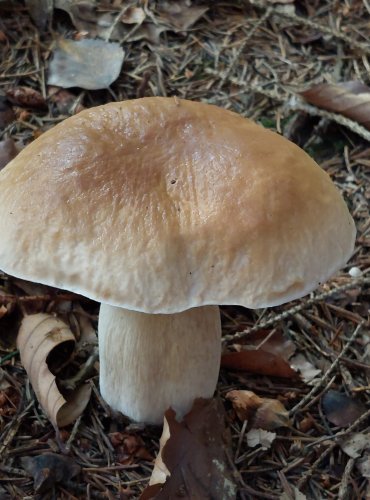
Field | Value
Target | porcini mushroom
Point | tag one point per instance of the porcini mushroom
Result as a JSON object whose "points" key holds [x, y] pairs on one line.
{"points": [[162, 209]]}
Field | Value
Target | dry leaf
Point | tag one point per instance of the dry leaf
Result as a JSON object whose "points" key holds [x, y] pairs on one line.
{"points": [[261, 437], [264, 413], [49, 469], [354, 444], [6, 112], [306, 369], [350, 99], [340, 409], [193, 454], [264, 353], [45, 344], [88, 64], [128, 448], [27, 97], [8, 151]]}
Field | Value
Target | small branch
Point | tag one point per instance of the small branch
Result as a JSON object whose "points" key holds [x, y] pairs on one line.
{"points": [[227, 339], [342, 493]]}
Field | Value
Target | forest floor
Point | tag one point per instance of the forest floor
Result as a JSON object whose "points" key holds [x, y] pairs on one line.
{"points": [[257, 58]]}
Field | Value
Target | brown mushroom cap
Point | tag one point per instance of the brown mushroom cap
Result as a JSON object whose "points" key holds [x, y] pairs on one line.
{"points": [[160, 205]]}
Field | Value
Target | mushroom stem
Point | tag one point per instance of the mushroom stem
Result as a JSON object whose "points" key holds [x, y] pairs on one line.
{"points": [[149, 362]]}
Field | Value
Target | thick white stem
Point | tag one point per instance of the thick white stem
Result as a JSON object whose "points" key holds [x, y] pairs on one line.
{"points": [[149, 362]]}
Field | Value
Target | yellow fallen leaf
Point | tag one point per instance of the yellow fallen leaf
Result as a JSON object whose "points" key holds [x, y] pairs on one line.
{"points": [[46, 343]]}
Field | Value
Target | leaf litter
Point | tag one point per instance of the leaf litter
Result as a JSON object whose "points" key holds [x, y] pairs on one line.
{"points": [[45, 344], [241, 57]]}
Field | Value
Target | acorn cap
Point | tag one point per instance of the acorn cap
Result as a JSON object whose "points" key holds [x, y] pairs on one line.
{"points": [[160, 204]]}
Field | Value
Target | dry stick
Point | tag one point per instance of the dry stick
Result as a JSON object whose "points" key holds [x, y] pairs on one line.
{"points": [[328, 372], [294, 310], [364, 47], [342, 493], [327, 452], [225, 75]]}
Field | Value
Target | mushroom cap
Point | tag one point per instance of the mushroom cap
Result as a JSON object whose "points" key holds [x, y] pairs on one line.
{"points": [[160, 204]]}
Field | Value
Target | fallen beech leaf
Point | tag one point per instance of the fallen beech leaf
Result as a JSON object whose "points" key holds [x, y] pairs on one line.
{"points": [[350, 99], [354, 444], [89, 64], [261, 437], [193, 455], [264, 353], [260, 362], [6, 112], [340, 409], [49, 469], [26, 96], [45, 344], [8, 151], [179, 16], [264, 413]]}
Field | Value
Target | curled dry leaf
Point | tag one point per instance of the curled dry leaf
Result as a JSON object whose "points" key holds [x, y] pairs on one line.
{"points": [[45, 344], [88, 64], [27, 97], [192, 456], [340, 409], [350, 99], [49, 469], [261, 356], [263, 413]]}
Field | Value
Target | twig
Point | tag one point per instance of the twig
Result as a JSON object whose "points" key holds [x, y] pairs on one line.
{"points": [[342, 493], [328, 372], [83, 374], [294, 310]]}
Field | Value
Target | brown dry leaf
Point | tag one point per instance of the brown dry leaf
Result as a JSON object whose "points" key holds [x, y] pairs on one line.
{"points": [[179, 16], [3, 311], [27, 97], [340, 409], [261, 413], [49, 469], [45, 344], [6, 112], [129, 447], [264, 353], [350, 99], [88, 64], [192, 457]]}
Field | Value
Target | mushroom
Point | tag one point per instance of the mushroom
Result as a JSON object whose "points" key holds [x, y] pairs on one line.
{"points": [[162, 209]]}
